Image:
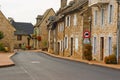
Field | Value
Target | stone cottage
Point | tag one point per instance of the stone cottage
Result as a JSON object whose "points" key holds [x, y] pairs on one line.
{"points": [[8, 31], [72, 20], [23, 33], [104, 28], [41, 30]]}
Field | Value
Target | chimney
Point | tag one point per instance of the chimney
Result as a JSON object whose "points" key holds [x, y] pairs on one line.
{"points": [[63, 3], [10, 19], [76, 1], [39, 18]]}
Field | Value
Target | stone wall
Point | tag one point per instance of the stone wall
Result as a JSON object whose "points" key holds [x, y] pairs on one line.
{"points": [[43, 29], [106, 30], [8, 31]]}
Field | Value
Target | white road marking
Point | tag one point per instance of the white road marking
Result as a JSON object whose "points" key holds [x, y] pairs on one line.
{"points": [[35, 62]]}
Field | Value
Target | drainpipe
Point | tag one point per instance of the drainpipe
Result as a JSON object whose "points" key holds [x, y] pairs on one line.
{"points": [[118, 1]]}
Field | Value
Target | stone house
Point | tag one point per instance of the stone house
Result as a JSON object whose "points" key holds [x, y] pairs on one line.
{"points": [[23, 33], [41, 28], [51, 26], [72, 20], [8, 31], [104, 27]]}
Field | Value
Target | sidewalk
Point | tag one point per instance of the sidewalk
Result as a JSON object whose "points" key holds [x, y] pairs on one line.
{"points": [[102, 64], [5, 60]]}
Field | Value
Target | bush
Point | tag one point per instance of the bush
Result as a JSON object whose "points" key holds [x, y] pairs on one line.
{"points": [[87, 52], [111, 59], [6, 49], [28, 47], [44, 49], [1, 35], [2, 47]]}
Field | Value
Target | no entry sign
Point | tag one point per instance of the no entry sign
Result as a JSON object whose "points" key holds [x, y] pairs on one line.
{"points": [[86, 34]]}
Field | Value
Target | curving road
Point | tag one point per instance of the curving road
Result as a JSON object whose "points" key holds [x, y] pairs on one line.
{"points": [[39, 66]]}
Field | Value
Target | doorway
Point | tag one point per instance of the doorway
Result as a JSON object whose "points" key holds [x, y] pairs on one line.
{"points": [[71, 46], [58, 48], [101, 48]]}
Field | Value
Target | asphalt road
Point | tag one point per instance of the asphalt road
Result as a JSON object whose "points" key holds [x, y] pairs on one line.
{"points": [[38, 66]]}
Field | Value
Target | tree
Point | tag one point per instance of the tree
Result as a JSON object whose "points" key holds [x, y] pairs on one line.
{"points": [[1, 35]]}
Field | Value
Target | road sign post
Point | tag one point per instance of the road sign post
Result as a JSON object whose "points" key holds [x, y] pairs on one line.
{"points": [[86, 36]]}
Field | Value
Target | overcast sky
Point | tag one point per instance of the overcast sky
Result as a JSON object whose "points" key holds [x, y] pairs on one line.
{"points": [[27, 10]]}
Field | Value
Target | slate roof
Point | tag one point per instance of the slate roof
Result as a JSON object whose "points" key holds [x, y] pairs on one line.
{"points": [[23, 28], [72, 7]]}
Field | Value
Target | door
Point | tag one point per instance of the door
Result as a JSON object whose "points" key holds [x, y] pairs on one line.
{"points": [[101, 48], [28, 41], [71, 46], [58, 48]]}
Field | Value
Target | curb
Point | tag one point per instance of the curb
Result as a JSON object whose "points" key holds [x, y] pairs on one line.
{"points": [[8, 65], [85, 62]]}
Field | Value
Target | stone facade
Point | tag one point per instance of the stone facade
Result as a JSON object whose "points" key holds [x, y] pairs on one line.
{"points": [[43, 31], [104, 29], [70, 26], [23, 34], [8, 30], [23, 41]]}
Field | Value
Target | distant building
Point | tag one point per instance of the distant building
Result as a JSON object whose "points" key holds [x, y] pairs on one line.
{"points": [[40, 29], [23, 33], [8, 31]]}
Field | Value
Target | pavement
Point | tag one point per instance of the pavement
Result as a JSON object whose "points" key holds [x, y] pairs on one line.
{"points": [[5, 60]]}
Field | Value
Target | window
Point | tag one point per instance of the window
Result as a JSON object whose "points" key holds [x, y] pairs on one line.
{"points": [[110, 45], [66, 42], [102, 16], [61, 27], [95, 17], [94, 45], [76, 43], [61, 46], [68, 21], [75, 20], [19, 37], [110, 13]]}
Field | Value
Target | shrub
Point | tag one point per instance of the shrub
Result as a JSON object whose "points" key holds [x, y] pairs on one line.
{"points": [[6, 49], [45, 44], [87, 52], [111, 59], [28, 47], [1, 35], [2, 47]]}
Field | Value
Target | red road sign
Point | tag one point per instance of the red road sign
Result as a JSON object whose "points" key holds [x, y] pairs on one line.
{"points": [[86, 34]]}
